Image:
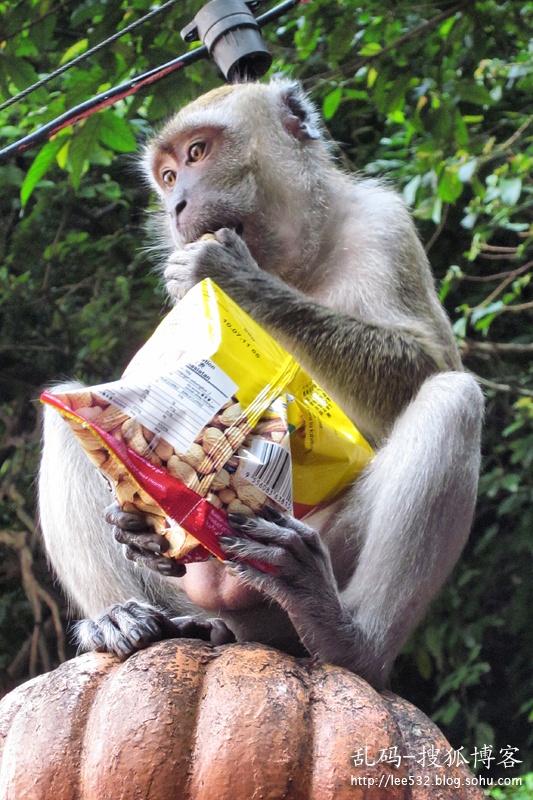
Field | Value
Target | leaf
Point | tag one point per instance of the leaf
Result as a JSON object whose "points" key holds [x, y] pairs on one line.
{"points": [[39, 168], [436, 212], [511, 482], [370, 49], [116, 133], [510, 191], [21, 72], [450, 187], [410, 190], [423, 663], [396, 97], [332, 102], [475, 93], [466, 171], [75, 50], [459, 328], [82, 147], [460, 130], [491, 308], [372, 77], [450, 712]]}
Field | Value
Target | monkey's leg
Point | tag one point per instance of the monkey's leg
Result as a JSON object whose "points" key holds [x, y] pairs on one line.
{"points": [[413, 510], [417, 503], [80, 544]]}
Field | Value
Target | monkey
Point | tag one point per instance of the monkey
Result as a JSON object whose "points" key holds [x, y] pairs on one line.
{"points": [[332, 266]]}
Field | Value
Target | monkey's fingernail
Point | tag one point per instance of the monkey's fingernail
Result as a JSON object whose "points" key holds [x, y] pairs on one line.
{"points": [[98, 639], [136, 635], [226, 539], [154, 547], [271, 513], [165, 567], [237, 519]]}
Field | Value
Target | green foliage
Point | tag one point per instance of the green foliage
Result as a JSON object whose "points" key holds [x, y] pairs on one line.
{"points": [[437, 99], [522, 791]]}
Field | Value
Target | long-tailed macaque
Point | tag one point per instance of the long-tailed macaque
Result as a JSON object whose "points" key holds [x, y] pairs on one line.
{"points": [[332, 267]]}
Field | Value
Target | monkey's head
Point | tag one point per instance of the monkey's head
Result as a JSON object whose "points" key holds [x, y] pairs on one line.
{"points": [[247, 156]]}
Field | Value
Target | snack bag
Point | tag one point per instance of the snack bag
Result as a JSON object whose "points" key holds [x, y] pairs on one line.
{"points": [[213, 416]]}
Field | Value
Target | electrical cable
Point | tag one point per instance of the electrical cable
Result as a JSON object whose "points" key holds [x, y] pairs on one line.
{"points": [[127, 88], [87, 54]]}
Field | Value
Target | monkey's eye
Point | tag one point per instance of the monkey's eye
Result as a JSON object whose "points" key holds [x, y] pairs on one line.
{"points": [[196, 152], [168, 177]]}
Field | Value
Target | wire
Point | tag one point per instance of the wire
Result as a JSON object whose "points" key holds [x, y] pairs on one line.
{"points": [[83, 56], [128, 88]]}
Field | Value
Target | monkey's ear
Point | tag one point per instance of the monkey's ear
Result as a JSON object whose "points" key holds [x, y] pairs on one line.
{"points": [[300, 117]]}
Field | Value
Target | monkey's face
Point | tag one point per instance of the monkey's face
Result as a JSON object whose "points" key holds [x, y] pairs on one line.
{"points": [[244, 157], [206, 180]]}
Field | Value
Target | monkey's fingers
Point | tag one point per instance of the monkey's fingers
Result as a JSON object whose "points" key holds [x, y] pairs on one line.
{"points": [[208, 630], [149, 541], [245, 549], [276, 528], [168, 567], [127, 520]]}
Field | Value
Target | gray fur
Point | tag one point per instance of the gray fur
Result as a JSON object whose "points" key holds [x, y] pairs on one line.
{"points": [[333, 268]]}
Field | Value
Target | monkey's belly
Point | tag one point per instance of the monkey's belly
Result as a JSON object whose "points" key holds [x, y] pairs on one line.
{"points": [[209, 585]]}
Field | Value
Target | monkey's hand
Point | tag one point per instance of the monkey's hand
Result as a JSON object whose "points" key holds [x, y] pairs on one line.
{"points": [[140, 543], [304, 584], [124, 629], [227, 261]]}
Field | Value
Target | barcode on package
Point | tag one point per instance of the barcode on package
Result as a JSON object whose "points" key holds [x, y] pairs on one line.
{"points": [[268, 466]]}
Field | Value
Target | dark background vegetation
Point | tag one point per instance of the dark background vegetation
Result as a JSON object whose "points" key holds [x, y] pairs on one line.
{"points": [[435, 97]]}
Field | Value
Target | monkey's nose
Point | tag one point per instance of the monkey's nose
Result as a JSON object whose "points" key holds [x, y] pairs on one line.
{"points": [[178, 208]]}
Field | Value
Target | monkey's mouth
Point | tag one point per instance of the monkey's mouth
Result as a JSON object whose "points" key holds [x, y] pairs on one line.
{"points": [[193, 235], [238, 227]]}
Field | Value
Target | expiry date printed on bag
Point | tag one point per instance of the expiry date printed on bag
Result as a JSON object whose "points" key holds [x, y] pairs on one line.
{"points": [[176, 405]]}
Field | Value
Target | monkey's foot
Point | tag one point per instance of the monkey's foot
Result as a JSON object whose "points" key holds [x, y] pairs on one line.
{"points": [[124, 629]]}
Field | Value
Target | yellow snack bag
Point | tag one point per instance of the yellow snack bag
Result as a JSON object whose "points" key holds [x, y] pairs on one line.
{"points": [[213, 416]]}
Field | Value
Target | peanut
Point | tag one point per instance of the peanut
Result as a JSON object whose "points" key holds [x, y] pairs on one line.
{"points": [[163, 449], [230, 415], [198, 459], [183, 472], [111, 417], [220, 481], [214, 500], [236, 507], [79, 400], [226, 496], [252, 496], [210, 467], [90, 413], [212, 438]]}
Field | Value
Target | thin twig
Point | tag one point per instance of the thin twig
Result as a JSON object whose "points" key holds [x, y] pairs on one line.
{"points": [[504, 387], [439, 229], [499, 275], [498, 347]]}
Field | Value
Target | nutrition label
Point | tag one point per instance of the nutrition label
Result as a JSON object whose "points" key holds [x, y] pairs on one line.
{"points": [[175, 405]]}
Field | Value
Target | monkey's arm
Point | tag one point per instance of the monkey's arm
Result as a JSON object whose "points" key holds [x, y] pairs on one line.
{"points": [[382, 366], [408, 516], [411, 511]]}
